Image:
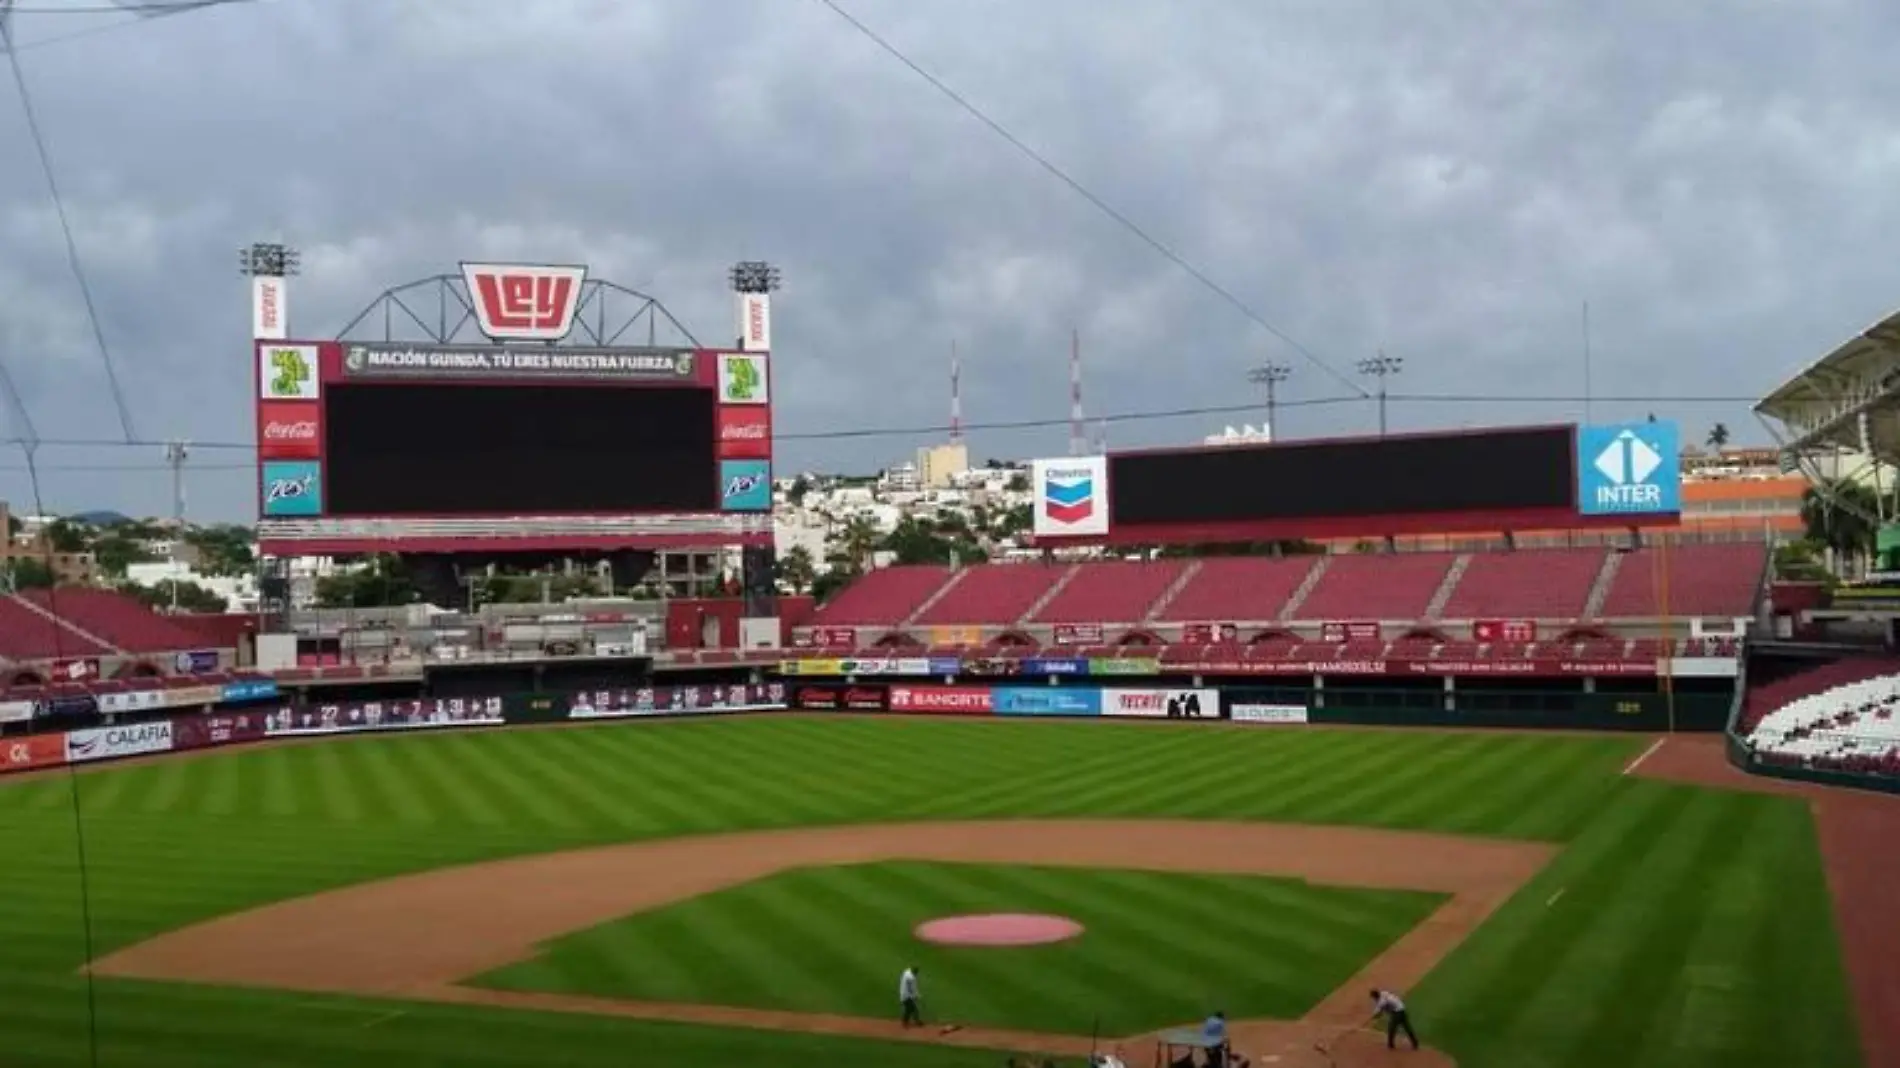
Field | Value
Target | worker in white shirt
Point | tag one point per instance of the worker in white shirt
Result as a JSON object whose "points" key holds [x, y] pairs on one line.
{"points": [[907, 996], [1392, 1007]]}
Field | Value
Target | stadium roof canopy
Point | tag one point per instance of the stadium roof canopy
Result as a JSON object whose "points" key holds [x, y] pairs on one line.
{"points": [[1821, 410]]}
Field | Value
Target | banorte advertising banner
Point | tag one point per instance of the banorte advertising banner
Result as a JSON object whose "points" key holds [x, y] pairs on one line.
{"points": [[943, 700], [106, 743], [1162, 704]]}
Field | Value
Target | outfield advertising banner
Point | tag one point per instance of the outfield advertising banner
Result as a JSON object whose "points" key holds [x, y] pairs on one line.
{"points": [[1162, 704], [17, 711], [1256, 713], [829, 668], [832, 698], [118, 704], [249, 690], [944, 700], [673, 700], [1630, 469], [1045, 701], [106, 743], [1055, 665], [1125, 665], [32, 751], [344, 718], [200, 732]]}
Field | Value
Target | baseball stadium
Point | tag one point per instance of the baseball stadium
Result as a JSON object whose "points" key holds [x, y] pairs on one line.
{"points": [[1541, 764]]}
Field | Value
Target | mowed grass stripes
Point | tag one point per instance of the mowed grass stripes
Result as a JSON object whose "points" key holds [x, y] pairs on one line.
{"points": [[1693, 929], [1157, 949]]}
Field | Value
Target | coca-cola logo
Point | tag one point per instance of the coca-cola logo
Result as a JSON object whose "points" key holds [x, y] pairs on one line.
{"points": [[743, 432], [864, 697], [301, 430]]}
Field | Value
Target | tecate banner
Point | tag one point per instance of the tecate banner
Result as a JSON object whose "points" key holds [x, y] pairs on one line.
{"points": [[1046, 701], [269, 321], [1162, 704], [1268, 713], [106, 743], [400, 360], [947, 700]]}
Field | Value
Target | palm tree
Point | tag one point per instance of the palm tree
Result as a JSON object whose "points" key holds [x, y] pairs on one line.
{"points": [[797, 570], [857, 541], [1718, 437], [1842, 514]]}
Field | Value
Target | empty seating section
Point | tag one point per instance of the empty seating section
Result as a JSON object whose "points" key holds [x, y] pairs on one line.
{"points": [[1532, 584], [882, 598], [1111, 592], [118, 619], [1238, 589], [1854, 726], [1769, 696], [29, 635], [1371, 586], [997, 595], [1701, 580]]}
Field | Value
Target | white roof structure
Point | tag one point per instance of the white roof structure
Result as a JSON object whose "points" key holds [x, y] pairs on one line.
{"points": [[1847, 400]]}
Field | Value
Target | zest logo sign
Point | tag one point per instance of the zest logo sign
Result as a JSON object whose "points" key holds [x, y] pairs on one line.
{"points": [[519, 302], [288, 431]]}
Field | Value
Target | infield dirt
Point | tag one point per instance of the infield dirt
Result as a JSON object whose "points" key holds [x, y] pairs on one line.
{"points": [[418, 937]]}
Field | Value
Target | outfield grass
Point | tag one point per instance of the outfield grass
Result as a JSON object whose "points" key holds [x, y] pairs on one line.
{"points": [[1157, 948], [1693, 928]]}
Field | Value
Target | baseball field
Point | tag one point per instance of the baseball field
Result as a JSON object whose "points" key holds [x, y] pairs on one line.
{"points": [[744, 891]]}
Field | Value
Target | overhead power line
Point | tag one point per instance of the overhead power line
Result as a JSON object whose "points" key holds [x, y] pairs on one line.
{"points": [[929, 429], [1100, 204], [65, 225]]}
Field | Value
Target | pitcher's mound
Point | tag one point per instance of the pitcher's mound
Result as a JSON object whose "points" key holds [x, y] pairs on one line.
{"points": [[998, 929]]}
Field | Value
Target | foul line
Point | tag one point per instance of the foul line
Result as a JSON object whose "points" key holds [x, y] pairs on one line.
{"points": [[1646, 754]]}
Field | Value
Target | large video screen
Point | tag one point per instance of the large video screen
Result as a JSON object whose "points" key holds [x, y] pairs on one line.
{"points": [[1495, 470], [425, 449]]}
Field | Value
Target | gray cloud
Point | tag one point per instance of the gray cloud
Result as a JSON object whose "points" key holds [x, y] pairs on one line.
{"points": [[1447, 181]]}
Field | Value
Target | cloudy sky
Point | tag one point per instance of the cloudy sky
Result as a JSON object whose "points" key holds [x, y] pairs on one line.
{"points": [[1448, 182]]}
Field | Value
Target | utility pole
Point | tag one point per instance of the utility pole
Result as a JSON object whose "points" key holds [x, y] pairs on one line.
{"points": [[1270, 375], [176, 453], [1381, 367]]}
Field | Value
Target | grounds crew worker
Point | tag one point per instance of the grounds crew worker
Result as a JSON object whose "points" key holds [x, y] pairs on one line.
{"points": [[1393, 1008], [907, 995]]}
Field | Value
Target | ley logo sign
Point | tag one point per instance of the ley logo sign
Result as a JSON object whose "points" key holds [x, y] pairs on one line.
{"points": [[521, 302]]}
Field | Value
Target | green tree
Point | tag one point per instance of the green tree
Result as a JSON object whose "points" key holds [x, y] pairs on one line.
{"points": [[69, 536], [224, 549], [115, 551], [797, 570], [1801, 561], [922, 541], [380, 582], [28, 573], [188, 596], [856, 541], [800, 487], [1843, 515], [1718, 437], [1018, 483]]}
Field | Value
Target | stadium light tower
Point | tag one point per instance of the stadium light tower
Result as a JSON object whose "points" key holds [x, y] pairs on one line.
{"points": [[1270, 375], [754, 281], [1381, 367], [267, 265]]}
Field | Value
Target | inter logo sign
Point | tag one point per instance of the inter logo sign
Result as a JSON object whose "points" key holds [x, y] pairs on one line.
{"points": [[1630, 469], [1071, 497]]}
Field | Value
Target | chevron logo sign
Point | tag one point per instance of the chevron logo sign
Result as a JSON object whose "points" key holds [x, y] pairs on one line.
{"points": [[1071, 496]]}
